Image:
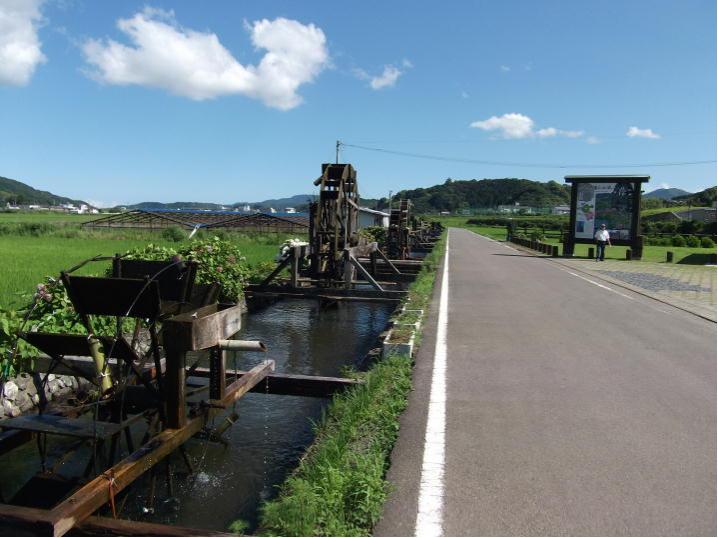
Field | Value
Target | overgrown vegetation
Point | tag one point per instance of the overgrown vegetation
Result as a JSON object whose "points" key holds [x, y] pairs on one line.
{"points": [[339, 487]]}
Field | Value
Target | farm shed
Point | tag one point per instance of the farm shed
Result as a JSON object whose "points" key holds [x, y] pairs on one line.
{"points": [[190, 219], [371, 217]]}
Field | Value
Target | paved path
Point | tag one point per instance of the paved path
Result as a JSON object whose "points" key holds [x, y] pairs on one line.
{"points": [[573, 407], [689, 287]]}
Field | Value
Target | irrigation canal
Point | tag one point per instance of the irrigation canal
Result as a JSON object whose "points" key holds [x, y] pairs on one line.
{"points": [[272, 431]]}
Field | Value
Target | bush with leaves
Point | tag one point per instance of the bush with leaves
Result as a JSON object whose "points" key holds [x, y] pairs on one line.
{"points": [[374, 233], [678, 241], [707, 242], [174, 234], [222, 262], [692, 241]]}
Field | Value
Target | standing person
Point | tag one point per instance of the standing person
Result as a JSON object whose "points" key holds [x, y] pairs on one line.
{"points": [[602, 237]]}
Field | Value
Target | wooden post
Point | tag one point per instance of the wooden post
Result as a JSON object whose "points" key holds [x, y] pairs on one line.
{"points": [[295, 267], [175, 383], [638, 248], [669, 256], [629, 254], [591, 253], [217, 371], [555, 251]]}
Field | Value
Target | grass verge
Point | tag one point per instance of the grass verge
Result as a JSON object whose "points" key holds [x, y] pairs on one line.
{"points": [[339, 487]]}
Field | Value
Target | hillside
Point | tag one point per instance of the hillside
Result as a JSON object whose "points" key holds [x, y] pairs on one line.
{"points": [[704, 198], [16, 192], [666, 194], [173, 205], [487, 193], [280, 203]]}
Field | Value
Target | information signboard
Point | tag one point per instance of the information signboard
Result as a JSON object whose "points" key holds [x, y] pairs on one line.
{"points": [[610, 200]]}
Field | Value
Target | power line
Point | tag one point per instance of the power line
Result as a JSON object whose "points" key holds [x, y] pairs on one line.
{"points": [[519, 164]]}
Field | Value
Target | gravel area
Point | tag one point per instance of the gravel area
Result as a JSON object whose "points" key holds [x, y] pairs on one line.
{"points": [[653, 282]]}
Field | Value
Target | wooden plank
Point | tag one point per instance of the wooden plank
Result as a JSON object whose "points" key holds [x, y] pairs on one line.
{"points": [[59, 425], [328, 295], [114, 296], [325, 292], [35, 519], [239, 388], [203, 329], [123, 527]]}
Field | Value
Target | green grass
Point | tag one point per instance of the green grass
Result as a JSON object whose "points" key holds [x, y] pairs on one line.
{"points": [[688, 255], [339, 488], [45, 216], [27, 261]]}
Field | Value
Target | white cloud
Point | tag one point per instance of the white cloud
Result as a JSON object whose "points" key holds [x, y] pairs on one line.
{"points": [[388, 77], [593, 140], [195, 64], [517, 126], [635, 132], [504, 68], [510, 125], [664, 186], [20, 52], [465, 95]]}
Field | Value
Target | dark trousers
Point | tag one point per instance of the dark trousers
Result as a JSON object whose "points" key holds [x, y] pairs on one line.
{"points": [[600, 249]]}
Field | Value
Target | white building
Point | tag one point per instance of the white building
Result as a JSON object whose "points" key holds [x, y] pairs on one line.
{"points": [[371, 217]]}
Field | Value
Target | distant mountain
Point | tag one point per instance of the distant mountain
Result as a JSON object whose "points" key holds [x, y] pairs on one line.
{"points": [[486, 193], [174, 205], [666, 194], [297, 201], [16, 192], [705, 198]]}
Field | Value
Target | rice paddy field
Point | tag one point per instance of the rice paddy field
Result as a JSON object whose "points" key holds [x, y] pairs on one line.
{"points": [[28, 255]]}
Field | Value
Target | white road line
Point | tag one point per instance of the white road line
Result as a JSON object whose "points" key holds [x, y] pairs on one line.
{"points": [[600, 285], [493, 240], [430, 516]]}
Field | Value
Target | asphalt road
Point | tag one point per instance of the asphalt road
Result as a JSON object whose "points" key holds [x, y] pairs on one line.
{"points": [[572, 409]]}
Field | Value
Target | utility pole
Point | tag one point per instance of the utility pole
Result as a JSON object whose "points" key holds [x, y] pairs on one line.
{"points": [[339, 143]]}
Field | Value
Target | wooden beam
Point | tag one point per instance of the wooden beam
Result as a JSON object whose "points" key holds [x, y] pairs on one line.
{"points": [[122, 527], [293, 384], [365, 273], [36, 520], [324, 292], [239, 388]]}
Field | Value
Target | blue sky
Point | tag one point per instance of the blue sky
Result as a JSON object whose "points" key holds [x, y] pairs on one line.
{"points": [[226, 101]]}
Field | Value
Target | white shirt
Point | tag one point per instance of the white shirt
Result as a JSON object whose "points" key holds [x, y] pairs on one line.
{"points": [[602, 235]]}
